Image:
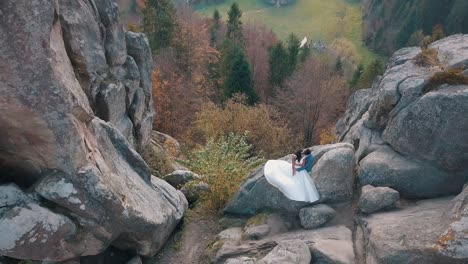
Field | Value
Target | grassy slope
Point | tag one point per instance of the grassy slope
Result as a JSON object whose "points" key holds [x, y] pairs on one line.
{"points": [[316, 19]]}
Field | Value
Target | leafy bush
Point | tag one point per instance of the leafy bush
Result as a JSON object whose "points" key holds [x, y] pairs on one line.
{"points": [[427, 58], [223, 164], [267, 131], [328, 136], [451, 77]]}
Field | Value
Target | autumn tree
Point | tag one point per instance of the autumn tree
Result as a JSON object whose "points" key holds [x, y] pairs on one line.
{"points": [[312, 98], [266, 130], [258, 40], [182, 78]]}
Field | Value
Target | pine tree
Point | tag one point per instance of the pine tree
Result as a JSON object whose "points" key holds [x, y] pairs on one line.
{"points": [[159, 23], [234, 25], [293, 53], [278, 64], [238, 75], [214, 29]]}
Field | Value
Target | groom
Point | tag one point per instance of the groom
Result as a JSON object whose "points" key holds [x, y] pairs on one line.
{"points": [[309, 161]]}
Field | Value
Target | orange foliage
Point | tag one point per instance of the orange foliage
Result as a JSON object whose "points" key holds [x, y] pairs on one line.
{"points": [[266, 130], [182, 76]]}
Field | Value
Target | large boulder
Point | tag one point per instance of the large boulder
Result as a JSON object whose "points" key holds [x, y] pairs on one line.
{"points": [[316, 216], [412, 178], [434, 134], [69, 72], [333, 174], [377, 198], [407, 236], [178, 178]]}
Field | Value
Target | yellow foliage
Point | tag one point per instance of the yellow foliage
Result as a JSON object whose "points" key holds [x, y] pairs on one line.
{"points": [[427, 58], [327, 136], [266, 130], [133, 27]]}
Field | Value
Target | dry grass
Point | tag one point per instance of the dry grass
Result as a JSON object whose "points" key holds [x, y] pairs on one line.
{"points": [[450, 77], [427, 58]]}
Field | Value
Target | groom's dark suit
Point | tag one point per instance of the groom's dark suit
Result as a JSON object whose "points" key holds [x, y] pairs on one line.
{"points": [[309, 162]]}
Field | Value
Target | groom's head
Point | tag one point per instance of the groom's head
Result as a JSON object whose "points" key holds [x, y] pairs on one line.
{"points": [[306, 151]]}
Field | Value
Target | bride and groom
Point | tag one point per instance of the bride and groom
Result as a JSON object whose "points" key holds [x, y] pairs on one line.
{"points": [[293, 179]]}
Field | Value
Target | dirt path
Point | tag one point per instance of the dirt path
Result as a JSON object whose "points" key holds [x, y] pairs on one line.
{"points": [[187, 246]]}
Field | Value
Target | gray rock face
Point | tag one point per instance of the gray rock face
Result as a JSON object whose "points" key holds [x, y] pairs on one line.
{"points": [[333, 175], [431, 133], [180, 177], [257, 232], [242, 260], [66, 68], [413, 179], [454, 241], [377, 198], [452, 51], [289, 251], [398, 131], [407, 236], [316, 216]]}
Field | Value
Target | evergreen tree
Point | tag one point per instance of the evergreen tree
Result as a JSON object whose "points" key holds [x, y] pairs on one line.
{"points": [[374, 69], [234, 25], [234, 65], [159, 23], [238, 76], [279, 66], [293, 53], [215, 28], [356, 76]]}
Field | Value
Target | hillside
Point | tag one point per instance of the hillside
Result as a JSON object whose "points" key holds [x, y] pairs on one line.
{"points": [[389, 24]]}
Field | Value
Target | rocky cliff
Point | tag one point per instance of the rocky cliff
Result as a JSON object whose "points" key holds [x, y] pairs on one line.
{"points": [[388, 24], [75, 98], [393, 191]]}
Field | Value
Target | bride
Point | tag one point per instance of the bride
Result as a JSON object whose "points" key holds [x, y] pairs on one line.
{"points": [[293, 179]]}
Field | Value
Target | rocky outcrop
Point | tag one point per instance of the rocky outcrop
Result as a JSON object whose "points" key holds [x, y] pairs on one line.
{"points": [[76, 107], [333, 174], [406, 139], [411, 235], [325, 245]]}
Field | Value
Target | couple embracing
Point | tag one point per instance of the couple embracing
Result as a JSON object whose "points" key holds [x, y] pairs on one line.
{"points": [[293, 179]]}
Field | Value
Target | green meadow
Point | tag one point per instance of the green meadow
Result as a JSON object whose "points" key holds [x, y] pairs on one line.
{"points": [[315, 19]]}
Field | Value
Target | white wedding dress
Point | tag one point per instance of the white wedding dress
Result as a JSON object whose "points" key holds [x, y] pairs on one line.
{"points": [[298, 187]]}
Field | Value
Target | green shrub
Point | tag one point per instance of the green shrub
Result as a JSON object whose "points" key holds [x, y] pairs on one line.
{"points": [[223, 165], [451, 77]]}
